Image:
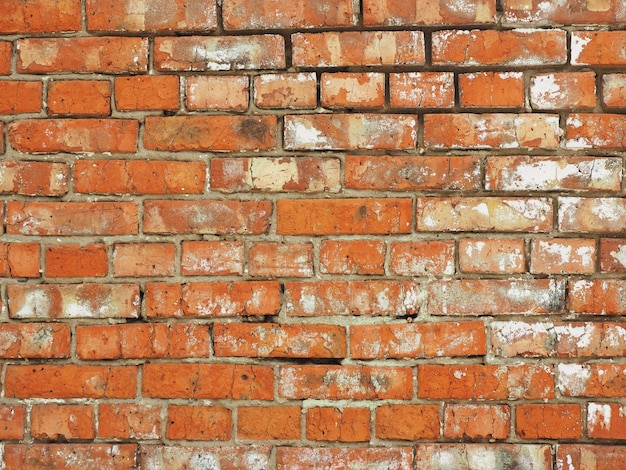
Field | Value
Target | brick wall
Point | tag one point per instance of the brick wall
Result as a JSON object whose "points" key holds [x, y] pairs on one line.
{"points": [[258, 234]]}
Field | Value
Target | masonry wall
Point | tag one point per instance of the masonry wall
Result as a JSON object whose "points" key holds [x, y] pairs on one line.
{"points": [[259, 234]]}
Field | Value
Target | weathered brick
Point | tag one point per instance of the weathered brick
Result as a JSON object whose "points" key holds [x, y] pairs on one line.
{"points": [[146, 93], [270, 340], [129, 421], [350, 131], [613, 255], [352, 257], [19, 260], [606, 421], [358, 48], [341, 425], [79, 97], [226, 458], [286, 90], [144, 259], [12, 422], [594, 215], [20, 96], [598, 47], [40, 16], [202, 53], [474, 456], [598, 296], [353, 90], [563, 90], [198, 381], [416, 340], [268, 423], [29, 178], [73, 301], [492, 255], [476, 421], [407, 422], [614, 90], [310, 458], [598, 457], [422, 258], [34, 341], [491, 89], [6, 51], [343, 216], [574, 12], [198, 423], [548, 421], [563, 255], [70, 456], [62, 422], [280, 260], [487, 131], [74, 260], [218, 92], [592, 380], [212, 258], [602, 131], [422, 89], [392, 13], [97, 54]]}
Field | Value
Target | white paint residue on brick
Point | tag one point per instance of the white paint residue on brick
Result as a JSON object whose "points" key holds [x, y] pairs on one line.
{"points": [[620, 255], [578, 44], [303, 136], [36, 305], [600, 414], [255, 461], [531, 209], [482, 209], [544, 90], [610, 209], [558, 250], [204, 461], [483, 458], [573, 378]]}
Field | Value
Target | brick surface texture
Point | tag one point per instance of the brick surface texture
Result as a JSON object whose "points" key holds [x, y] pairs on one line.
{"points": [[312, 234]]}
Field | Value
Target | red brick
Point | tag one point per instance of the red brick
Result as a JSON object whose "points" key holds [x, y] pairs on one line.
{"points": [[493, 214], [548, 421], [491, 89], [198, 423], [420, 258], [268, 14], [40, 16], [70, 456], [268, 423], [345, 382], [6, 51], [219, 258], [614, 90], [73, 301], [286, 90], [271, 340], [280, 260], [19, 260], [417, 340], [353, 90], [201, 53], [563, 255], [596, 457], [487, 131], [98, 55], [592, 380], [602, 131], [492, 255], [439, 456], [77, 260], [606, 421], [350, 131], [33, 178], [12, 422], [526, 173], [422, 89], [79, 97], [598, 48], [163, 299], [358, 48], [407, 422], [198, 381], [476, 421], [267, 174], [496, 297], [597, 296], [613, 255], [138, 341], [392, 13], [311, 458], [594, 215], [62, 422], [70, 381], [72, 218], [226, 458], [146, 93], [153, 15], [144, 259], [563, 90], [407, 173], [340, 425], [343, 216], [383, 297], [218, 133], [34, 340], [574, 12], [485, 382], [523, 47], [74, 135], [218, 92], [17, 97], [352, 257], [129, 421]]}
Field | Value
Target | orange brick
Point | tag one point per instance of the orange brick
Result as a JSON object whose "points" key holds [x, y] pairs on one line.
{"points": [[79, 97], [17, 97], [592, 380], [548, 421], [62, 422], [202, 53], [435, 456], [77, 260], [415, 340], [33, 178], [422, 89], [12, 422], [286, 90], [358, 48], [146, 93], [19, 260], [226, 457], [491, 89], [492, 255], [597, 48], [574, 12], [129, 421], [420, 258], [280, 260], [218, 92], [309, 458], [268, 423], [34, 340], [476, 421], [70, 456], [343, 216], [596, 456], [613, 255], [563, 90], [98, 55], [597, 297], [352, 257], [603, 131], [270, 340], [565, 255], [333, 424], [221, 258], [614, 90], [144, 259], [594, 215], [606, 421], [407, 422], [163, 299], [70, 381], [40, 16], [6, 51], [358, 90], [392, 13], [198, 423]]}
